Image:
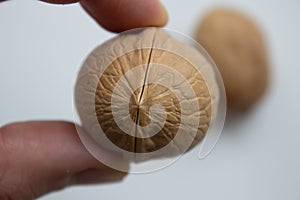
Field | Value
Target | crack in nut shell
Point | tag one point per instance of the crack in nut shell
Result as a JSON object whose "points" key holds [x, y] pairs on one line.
{"points": [[141, 101]]}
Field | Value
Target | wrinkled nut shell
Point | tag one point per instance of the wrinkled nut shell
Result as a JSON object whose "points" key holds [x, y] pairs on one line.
{"points": [[238, 49], [132, 95]]}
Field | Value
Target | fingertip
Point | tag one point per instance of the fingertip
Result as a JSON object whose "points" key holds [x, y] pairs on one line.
{"points": [[121, 15]]}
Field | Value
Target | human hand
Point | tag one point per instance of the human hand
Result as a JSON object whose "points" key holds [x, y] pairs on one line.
{"points": [[43, 156]]}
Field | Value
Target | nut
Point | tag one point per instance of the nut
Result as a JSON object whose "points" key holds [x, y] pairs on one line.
{"points": [[236, 45], [145, 95]]}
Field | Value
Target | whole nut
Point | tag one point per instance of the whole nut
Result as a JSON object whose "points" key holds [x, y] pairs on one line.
{"points": [[236, 45], [146, 95]]}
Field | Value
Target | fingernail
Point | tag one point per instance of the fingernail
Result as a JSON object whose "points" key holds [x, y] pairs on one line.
{"points": [[164, 14]]}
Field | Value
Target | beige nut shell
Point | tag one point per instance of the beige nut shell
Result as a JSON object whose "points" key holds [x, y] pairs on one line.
{"points": [[236, 45], [122, 82]]}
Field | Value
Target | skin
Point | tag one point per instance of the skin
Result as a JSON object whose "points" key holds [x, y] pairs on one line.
{"points": [[38, 157]]}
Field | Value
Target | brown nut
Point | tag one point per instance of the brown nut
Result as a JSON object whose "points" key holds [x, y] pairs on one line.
{"points": [[144, 95], [236, 45]]}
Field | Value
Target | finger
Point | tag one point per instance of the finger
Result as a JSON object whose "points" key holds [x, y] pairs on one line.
{"points": [[60, 1], [38, 157], [120, 15]]}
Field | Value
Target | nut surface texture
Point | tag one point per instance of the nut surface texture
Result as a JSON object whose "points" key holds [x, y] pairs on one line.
{"points": [[146, 95], [236, 45]]}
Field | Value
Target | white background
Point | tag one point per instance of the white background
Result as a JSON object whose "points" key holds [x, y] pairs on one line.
{"points": [[258, 156]]}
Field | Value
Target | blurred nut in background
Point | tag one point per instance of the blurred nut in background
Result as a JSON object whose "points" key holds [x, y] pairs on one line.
{"points": [[238, 48]]}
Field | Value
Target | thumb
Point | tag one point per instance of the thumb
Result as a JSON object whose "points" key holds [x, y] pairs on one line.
{"points": [[40, 157]]}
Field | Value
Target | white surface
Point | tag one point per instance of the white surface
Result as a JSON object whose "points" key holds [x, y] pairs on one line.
{"points": [[258, 157]]}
